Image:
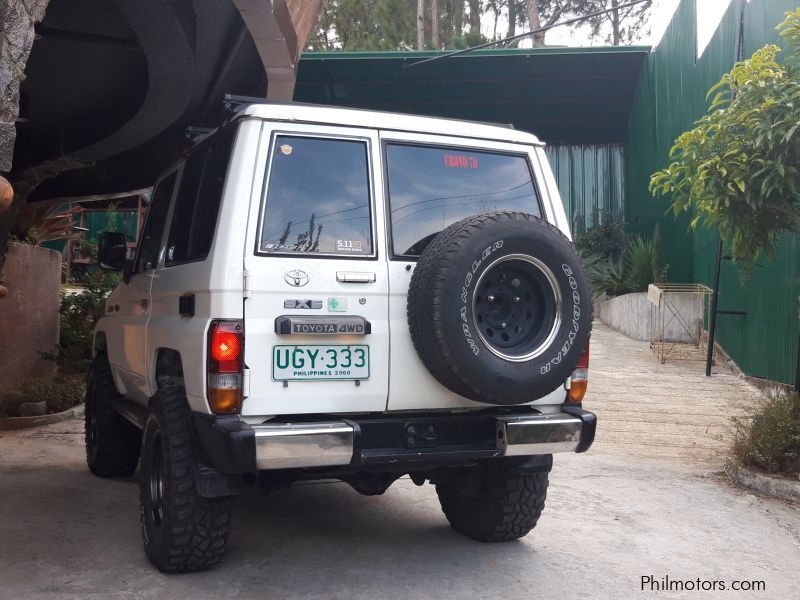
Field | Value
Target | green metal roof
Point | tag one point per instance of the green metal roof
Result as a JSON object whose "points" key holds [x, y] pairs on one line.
{"points": [[563, 95]]}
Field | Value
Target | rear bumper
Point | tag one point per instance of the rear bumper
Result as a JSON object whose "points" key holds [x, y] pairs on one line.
{"points": [[231, 446]]}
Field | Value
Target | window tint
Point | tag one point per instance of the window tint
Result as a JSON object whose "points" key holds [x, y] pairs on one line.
{"points": [[431, 188], [197, 206], [318, 199], [150, 244]]}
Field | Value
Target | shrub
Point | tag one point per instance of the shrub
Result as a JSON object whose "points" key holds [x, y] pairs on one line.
{"points": [[770, 440], [638, 264], [633, 271], [79, 313], [60, 391], [606, 238]]}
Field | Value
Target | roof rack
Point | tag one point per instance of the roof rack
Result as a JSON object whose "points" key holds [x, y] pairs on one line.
{"points": [[194, 133], [232, 102]]}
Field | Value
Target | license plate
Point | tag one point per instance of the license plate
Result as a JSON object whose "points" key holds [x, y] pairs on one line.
{"points": [[324, 362]]}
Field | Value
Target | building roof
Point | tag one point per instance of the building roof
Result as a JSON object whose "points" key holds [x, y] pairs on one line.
{"points": [[563, 95]]}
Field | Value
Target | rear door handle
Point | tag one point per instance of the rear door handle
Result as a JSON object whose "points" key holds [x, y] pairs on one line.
{"points": [[144, 303], [354, 277]]}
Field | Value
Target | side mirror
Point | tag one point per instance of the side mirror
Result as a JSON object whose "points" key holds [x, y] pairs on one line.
{"points": [[112, 251]]}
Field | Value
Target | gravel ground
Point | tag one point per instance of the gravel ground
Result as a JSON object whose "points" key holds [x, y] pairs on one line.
{"points": [[634, 506]]}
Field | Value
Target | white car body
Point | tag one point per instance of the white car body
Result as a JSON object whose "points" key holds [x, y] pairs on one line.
{"points": [[234, 282]]}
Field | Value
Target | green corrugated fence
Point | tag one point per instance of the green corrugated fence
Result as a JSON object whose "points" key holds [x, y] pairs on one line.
{"points": [[590, 180], [670, 97]]}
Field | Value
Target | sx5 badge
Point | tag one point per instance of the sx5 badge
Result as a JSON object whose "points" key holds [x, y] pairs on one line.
{"points": [[302, 304]]}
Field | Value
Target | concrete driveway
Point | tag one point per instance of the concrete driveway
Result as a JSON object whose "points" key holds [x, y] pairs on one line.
{"points": [[612, 517]]}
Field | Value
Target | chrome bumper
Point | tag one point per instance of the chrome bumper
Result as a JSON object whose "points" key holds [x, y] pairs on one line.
{"points": [[293, 445], [538, 434], [336, 443]]}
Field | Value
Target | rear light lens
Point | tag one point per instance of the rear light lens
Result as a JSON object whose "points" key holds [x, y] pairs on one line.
{"points": [[225, 366], [579, 381]]}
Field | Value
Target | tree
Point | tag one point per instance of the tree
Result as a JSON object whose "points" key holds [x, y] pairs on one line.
{"points": [[420, 24], [360, 25], [544, 13], [474, 15], [738, 170], [620, 27], [435, 24]]}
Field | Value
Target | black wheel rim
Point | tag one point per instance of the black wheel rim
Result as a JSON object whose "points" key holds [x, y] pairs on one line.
{"points": [[155, 480], [517, 307]]}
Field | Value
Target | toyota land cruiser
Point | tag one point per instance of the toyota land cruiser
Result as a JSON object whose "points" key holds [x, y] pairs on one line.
{"points": [[331, 293]]}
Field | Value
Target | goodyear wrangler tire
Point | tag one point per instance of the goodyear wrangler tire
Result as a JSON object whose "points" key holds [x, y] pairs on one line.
{"points": [[499, 308]]}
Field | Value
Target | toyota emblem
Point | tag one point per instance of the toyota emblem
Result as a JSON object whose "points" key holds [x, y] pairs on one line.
{"points": [[296, 277]]}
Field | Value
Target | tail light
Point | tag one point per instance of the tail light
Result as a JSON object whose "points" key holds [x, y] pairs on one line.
{"points": [[580, 378], [225, 366]]}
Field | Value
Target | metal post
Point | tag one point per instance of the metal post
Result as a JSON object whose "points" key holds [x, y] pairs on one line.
{"points": [[712, 325], [797, 369]]}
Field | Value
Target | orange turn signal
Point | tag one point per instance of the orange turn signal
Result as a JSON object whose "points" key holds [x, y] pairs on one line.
{"points": [[579, 381], [224, 401]]}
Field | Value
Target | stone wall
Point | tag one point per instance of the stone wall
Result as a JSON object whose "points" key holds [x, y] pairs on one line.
{"points": [[29, 314], [17, 18]]}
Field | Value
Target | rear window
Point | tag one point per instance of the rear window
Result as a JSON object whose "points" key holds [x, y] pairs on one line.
{"points": [[318, 198], [432, 187]]}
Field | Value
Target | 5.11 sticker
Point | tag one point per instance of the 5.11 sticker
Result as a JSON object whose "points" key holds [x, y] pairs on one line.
{"points": [[349, 246]]}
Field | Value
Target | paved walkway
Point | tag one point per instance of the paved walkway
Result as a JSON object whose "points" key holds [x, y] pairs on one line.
{"points": [[651, 410]]}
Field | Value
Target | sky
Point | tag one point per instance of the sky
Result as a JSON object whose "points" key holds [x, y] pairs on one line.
{"points": [[709, 15]]}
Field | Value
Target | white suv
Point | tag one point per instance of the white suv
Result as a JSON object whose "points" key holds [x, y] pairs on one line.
{"points": [[329, 293]]}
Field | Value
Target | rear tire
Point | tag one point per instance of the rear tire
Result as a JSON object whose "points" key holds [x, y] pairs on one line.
{"points": [[112, 443], [504, 504], [183, 531]]}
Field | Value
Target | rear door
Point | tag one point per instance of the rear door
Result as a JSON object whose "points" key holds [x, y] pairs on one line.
{"points": [[432, 182], [316, 282]]}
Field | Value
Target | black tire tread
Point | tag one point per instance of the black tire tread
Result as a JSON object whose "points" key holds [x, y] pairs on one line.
{"points": [[507, 508], [119, 441], [195, 530]]}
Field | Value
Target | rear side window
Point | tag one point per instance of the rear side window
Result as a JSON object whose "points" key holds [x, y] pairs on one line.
{"points": [[318, 198], [197, 206], [432, 187]]}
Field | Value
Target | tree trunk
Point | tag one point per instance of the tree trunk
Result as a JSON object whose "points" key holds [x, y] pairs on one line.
{"points": [[435, 24], [458, 17], [615, 24], [420, 24], [535, 22], [474, 15], [512, 18]]}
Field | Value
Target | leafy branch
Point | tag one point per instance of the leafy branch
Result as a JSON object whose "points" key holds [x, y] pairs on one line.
{"points": [[738, 170]]}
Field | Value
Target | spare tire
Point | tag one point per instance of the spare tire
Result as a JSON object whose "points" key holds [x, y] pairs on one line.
{"points": [[499, 308]]}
